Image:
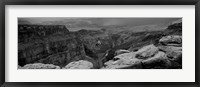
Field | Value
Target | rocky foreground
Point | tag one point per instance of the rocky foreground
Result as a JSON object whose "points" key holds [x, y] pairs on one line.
{"points": [[44, 48], [167, 55]]}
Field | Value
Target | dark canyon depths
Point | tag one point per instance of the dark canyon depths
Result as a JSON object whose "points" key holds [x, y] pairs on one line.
{"points": [[55, 44]]}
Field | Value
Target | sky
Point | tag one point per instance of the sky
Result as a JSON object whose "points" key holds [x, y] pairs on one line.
{"points": [[73, 22], [102, 21]]}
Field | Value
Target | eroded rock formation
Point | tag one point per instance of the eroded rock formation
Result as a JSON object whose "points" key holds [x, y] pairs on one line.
{"points": [[165, 56], [39, 66], [81, 64], [136, 50]]}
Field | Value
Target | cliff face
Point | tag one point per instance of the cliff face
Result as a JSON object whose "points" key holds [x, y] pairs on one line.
{"points": [[28, 33], [51, 44], [54, 44], [61, 52]]}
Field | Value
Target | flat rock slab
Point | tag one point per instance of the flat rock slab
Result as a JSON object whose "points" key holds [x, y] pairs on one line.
{"points": [[173, 40], [81, 64], [158, 61], [147, 51], [126, 60], [39, 66]]}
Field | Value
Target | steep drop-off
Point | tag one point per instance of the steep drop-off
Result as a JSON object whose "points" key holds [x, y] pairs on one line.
{"points": [[55, 44]]}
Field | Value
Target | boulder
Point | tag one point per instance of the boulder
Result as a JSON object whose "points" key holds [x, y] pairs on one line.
{"points": [[113, 65], [121, 51], [159, 61], [126, 60], [169, 48], [146, 51], [175, 56], [172, 40], [39, 66], [125, 56], [19, 67], [81, 64], [173, 53]]}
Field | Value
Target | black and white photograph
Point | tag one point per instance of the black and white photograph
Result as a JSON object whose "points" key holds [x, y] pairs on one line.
{"points": [[99, 43]]}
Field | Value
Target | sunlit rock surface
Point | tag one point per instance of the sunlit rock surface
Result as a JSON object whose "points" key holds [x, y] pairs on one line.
{"points": [[147, 51], [81, 64], [39, 66], [172, 40], [121, 51]]}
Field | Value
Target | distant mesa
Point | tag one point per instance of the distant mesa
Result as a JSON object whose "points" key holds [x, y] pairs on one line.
{"points": [[24, 22]]}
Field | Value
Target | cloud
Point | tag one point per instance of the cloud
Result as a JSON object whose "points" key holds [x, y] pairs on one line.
{"points": [[98, 21]]}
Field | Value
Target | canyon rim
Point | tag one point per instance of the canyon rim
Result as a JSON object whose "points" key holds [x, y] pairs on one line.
{"points": [[99, 43]]}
